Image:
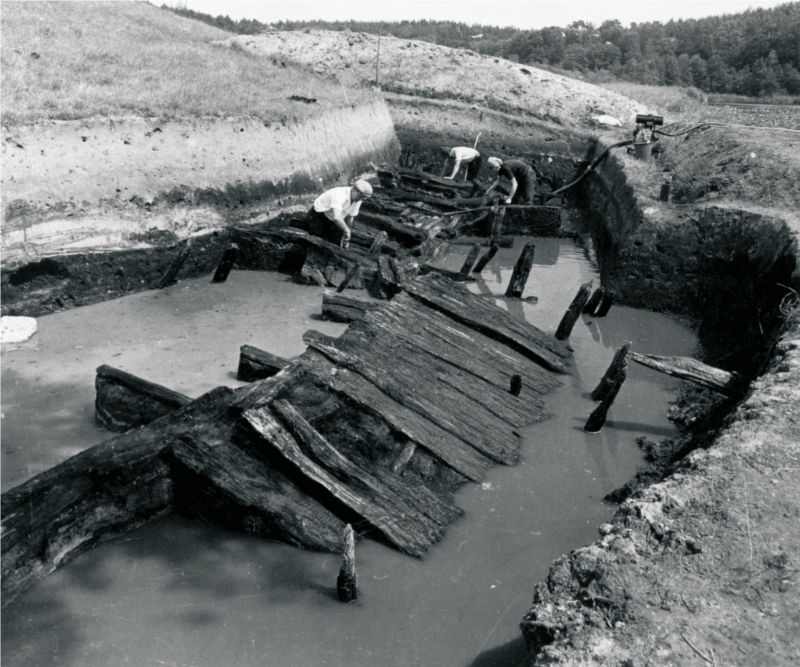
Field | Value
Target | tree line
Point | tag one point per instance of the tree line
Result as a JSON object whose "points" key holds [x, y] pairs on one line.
{"points": [[754, 53]]}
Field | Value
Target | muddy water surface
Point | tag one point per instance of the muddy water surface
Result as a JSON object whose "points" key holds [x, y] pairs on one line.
{"points": [[178, 592]]}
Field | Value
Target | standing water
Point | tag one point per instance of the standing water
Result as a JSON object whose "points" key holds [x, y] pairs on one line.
{"points": [[178, 592]]}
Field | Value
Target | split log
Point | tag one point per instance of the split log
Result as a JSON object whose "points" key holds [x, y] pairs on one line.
{"points": [[346, 582], [617, 365], [573, 312], [170, 276], [594, 301], [389, 276], [256, 364], [479, 314], [605, 304], [226, 264], [124, 401], [375, 247], [598, 417], [521, 271], [469, 262], [686, 368], [350, 276], [340, 308], [483, 261]]}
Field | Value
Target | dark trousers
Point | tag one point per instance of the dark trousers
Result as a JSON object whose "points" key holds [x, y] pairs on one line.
{"points": [[320, 225], [474, 167]]}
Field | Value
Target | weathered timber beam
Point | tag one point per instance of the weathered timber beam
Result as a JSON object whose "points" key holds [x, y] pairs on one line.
{"points": [[617, 365], [256, 364], [405, 235], [273, 433], [100, 492], [347, 582], [457, 276], [416, 503], [598, 417], [443, 445], [124, 401], [686, 368], [216, 480], [522, 269], [573, 312], [469, 262], [340, 308], [226, 264], [478, 313], [170, 276]]}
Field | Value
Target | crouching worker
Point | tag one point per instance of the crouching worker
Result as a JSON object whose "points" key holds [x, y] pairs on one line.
{"points": [[515, 179], [462, 155], [332, 213]]}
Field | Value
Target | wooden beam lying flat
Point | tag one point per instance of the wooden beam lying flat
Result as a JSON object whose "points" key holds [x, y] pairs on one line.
{"points": [[686, 368]]}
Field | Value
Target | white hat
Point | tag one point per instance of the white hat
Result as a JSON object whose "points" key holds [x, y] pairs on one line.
{"points": [[496, 162], [363, 187]]}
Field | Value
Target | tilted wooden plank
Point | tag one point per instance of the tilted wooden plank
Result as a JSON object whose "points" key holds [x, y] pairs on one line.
{"points": [[387, 489], [414, 392], [686, 368], [483, 316], [450, 449], [406, 538]]}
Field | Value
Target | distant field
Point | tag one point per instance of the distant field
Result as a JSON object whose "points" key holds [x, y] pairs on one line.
{"points": [[72, 60]]}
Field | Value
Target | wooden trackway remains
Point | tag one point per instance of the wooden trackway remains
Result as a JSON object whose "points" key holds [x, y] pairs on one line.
{"points": [[376, 428]]}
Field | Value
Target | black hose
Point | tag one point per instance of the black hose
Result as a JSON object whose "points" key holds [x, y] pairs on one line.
{"points": [[590, 168]]}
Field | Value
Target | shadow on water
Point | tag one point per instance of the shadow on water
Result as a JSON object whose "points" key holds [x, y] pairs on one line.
{"points": [[512, 654]]}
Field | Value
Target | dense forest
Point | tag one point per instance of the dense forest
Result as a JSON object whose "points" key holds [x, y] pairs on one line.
{"points": [[755, 53]]}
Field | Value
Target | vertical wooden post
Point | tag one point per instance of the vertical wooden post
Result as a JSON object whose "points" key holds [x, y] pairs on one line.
{"points": [[226, 264], [469, 262], [483, 261], [375, 247], [355, 268], [598, 417], [618, 363], [521, 271], [516, 384], [574, 310], [346, 584], [594, 301], [605, 305], [170, 276]]}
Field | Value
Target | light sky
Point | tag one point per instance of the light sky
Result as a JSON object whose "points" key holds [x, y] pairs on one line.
{"points": [[524, 14]]}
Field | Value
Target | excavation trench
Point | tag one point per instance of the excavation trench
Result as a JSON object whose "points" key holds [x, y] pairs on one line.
{"points": [[267, 598]]}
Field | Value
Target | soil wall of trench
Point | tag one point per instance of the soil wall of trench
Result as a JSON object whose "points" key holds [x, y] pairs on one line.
{"points": [[94, 209], [696, 568]]}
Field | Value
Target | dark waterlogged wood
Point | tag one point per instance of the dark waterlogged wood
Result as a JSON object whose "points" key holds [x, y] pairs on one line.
{"points": [[594, 301], [340, 308], [346, 582], [686, 368], [573, 312], [375, 248], [124, 401], [170, 276], [605, 304], [352, 272], [516, 384], [469, 262], [599, 415], [483, 261], [226, 264], [522, 269], [617, 365], [256, 364]]}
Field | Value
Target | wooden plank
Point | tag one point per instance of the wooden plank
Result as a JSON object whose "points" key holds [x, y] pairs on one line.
{"points": [[216, 480], [450, 449], [387, 490], [468, 349], [390, 525], [522, 269], [340, 308], [256, 364], [482, 315], [567, 322], [480, 429], [686, 368], [124, 401]]}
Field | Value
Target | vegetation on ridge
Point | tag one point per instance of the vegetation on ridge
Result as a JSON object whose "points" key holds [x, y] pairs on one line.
{"points": [[71, 60]]}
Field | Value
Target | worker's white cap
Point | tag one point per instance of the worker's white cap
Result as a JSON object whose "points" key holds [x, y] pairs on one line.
{"points": [[363, 187], [496, 162]]}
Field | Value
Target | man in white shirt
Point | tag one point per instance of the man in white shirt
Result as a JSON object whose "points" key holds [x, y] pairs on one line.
{"points": [[333, 211], [463, 155]]}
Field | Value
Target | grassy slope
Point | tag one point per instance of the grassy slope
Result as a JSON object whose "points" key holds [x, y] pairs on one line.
{"points": [[71, 60]]}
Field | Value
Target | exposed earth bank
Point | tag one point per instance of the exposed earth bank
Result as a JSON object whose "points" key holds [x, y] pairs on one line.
{"points": [[699, 568]]}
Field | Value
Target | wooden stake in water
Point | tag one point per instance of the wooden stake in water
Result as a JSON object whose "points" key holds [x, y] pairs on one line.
{"points": [[598, 417], [226, 264], [521, 271], [483, 261], [618, 364], [516, 384], [605, 305], [594, 301], [574, 310], [346, 585], [469, 262]]}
